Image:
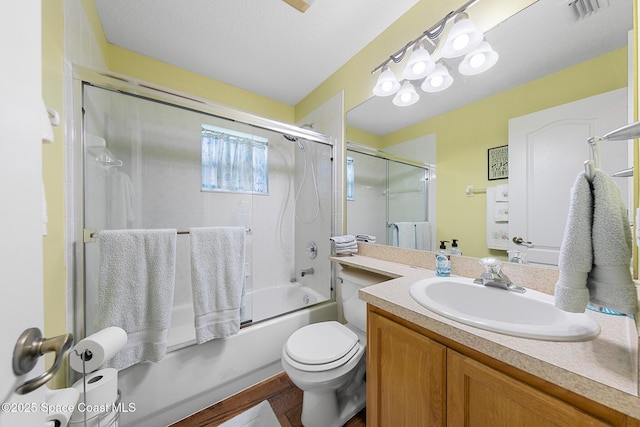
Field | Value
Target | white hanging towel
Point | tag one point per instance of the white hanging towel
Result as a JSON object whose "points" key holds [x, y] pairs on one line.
{"points": [[135, 290], [423, 236], [595, 253], [404, 235], [218, 280]]}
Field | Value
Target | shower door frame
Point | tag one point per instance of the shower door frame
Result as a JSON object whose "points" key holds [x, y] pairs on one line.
{"points": [[150, 91], [429, 169]]}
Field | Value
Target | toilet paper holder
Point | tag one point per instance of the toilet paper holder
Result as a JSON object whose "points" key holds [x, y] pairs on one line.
{"points": [[29, 347]]}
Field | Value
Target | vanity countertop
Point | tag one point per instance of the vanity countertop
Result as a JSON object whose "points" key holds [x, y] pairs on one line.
{"points": [[604, 369]]}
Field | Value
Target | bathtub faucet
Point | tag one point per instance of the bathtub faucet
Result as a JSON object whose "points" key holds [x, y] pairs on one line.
{"points": [[306, 271]]}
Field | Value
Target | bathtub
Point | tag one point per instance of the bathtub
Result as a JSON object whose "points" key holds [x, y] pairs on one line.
{"points": [[193, 377], [265, 304]]}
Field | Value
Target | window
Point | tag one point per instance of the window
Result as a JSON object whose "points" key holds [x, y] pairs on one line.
{"points": [[234, 161], [351, 175]]}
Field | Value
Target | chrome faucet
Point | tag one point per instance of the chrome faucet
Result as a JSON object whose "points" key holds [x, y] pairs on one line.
{"points": [[306, 271], [495, 278]]}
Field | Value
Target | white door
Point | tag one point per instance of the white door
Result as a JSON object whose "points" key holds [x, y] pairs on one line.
{"points": [[547, 150], [21, 293]]}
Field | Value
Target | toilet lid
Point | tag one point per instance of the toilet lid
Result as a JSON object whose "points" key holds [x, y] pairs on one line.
{"points": [[321, 343]]}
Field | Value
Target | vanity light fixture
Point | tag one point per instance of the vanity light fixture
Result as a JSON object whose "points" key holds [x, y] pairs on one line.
{"points": [[438, 80], [387, 84], [407, 95], [479, 60], [463, 39]]}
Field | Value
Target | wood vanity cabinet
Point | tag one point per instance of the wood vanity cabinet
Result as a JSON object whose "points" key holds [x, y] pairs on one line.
{"points": [[416, 378], [406, 376]]}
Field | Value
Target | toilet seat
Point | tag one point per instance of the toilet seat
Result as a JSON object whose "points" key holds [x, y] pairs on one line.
{"points": [[321, 346]]}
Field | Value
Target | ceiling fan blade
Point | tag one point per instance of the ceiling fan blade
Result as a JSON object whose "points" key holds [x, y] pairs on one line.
{"points": [[301, 5]]}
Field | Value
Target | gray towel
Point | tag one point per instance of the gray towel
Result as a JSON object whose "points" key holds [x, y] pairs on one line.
{"points": [[610, 283], [595, 253]]}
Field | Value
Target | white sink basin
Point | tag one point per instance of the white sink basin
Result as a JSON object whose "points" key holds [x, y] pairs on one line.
{"points": [[529, 315]]}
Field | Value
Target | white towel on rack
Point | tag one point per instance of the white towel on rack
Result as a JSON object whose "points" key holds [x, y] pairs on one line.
{"points": [[610, 283], [423, 236], [218, 280], [576, 250], [404, 235], [136, 282], [595, 252]]}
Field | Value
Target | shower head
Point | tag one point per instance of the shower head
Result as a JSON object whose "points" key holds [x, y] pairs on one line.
{"points": [[294, 139]]}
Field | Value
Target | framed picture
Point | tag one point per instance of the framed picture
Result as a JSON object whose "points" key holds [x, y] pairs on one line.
{"points": [[498, 162]]}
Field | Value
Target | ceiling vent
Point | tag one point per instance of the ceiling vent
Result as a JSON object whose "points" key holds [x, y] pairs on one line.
{"points": [[577, 10]]}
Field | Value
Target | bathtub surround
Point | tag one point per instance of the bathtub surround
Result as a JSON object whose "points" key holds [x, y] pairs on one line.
{"points": [[136, 285], [218, 280]]}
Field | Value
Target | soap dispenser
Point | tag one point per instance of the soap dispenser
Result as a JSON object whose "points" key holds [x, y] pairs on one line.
{"points": [[455, 249], [443, 261]]}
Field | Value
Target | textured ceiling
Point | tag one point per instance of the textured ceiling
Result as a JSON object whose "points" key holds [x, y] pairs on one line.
{"points": [[264, 46]]}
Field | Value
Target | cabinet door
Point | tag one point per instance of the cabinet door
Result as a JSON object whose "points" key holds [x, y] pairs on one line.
{"points": [[406, 376], [480, 396]]}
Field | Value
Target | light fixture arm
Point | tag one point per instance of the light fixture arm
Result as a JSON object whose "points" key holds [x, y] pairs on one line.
{"points": [[432, 33]]}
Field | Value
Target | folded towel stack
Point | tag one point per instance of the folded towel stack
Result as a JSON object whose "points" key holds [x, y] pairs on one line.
{"points": [[367, 238], [344, 245]]}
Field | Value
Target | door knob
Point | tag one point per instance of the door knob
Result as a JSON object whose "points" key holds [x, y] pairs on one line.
{"points": [[29, 347], [520, 241]]}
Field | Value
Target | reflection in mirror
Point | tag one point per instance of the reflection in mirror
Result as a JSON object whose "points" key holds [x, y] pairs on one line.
{"points": [[388, 198], [473, 116]]}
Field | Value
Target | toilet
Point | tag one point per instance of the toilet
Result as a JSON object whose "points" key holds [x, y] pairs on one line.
{"points": [[326, 359]]}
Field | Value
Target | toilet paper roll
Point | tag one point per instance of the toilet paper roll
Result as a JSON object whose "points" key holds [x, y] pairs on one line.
{"points": [[98, 348], [97, 393], [61, 404]]}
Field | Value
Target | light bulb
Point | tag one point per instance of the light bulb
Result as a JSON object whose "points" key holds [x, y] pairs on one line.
{"points": [[406, 96], [387, 83], [462, 38], [419, 63], [477, 60], [419, 67], [437, 81], [461, 42]]}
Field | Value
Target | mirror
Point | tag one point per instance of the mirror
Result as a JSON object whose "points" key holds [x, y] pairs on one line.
{"points": [[546, 59]]}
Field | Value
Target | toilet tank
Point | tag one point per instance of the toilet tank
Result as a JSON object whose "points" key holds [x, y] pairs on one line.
{"points": [[353, 308]]}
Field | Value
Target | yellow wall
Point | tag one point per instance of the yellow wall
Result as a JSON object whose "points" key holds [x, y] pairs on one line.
{"points": [[54, 269], [142, 67], [464, 135]]}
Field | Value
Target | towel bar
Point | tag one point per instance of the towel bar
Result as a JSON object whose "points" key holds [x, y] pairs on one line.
{"points": [[90, 234]]}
